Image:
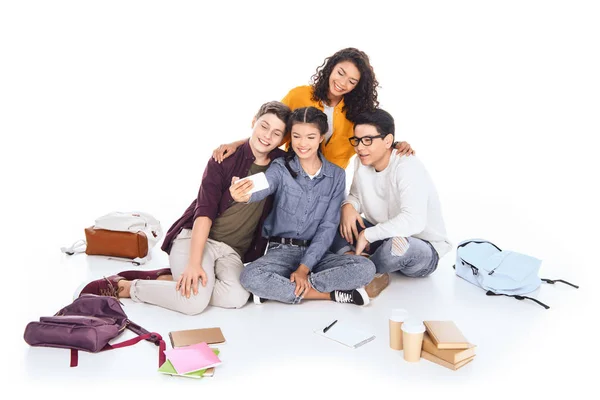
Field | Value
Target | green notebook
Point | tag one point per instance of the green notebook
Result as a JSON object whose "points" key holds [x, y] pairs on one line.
{"points": [[167, 368]]}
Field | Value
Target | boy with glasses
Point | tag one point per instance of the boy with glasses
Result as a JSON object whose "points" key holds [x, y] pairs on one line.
{"points": [[402, 229]]}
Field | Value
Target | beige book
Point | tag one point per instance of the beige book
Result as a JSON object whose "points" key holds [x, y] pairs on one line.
{"points": [[194, 336], [451, 355], [446, 335], [443, 363]]}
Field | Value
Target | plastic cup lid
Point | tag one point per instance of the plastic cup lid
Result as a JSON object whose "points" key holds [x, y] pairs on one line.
{"points": [[399, 315], [413, 326]]}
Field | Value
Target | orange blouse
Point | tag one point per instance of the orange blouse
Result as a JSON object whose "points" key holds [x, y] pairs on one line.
{"points": [[338, 150]]}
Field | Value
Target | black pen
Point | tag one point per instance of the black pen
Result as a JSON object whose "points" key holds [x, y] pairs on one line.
{"points": [[332, 324]]}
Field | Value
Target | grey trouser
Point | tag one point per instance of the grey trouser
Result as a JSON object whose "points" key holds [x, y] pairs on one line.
{"points": [[223, 267]]}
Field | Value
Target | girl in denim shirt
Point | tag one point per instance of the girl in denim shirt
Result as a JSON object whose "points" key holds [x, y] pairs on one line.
{"points": [[308, 192]]}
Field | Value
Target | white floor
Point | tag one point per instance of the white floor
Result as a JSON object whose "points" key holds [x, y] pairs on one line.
{"points": [[117, 106], [272, 348]]}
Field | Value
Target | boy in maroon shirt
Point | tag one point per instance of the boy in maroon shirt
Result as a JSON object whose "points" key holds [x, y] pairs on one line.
{"points": [[215, 236]]}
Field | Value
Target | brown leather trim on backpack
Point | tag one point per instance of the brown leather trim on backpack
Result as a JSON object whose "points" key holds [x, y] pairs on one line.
{"points": [[102, 242]]}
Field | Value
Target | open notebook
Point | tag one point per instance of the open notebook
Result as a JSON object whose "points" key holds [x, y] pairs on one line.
{"points": [[344, 333]]}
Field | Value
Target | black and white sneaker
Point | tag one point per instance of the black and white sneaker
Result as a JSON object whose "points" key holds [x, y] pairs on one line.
{"points": [[357, 296], [257, 300]]}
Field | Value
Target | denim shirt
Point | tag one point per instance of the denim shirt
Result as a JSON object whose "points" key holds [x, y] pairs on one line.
{"points": [[304, 208]]}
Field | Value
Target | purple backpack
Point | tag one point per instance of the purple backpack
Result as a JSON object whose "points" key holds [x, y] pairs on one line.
{"points": [[88, 324]]}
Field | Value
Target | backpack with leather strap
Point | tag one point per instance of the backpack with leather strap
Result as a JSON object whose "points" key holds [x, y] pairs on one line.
{"points": [[88, 324]]}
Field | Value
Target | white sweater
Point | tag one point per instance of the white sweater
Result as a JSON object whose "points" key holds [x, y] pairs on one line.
{"points": [[401, 200]]}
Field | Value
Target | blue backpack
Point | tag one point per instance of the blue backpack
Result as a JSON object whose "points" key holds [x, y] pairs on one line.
{"points": [[500, 272]]}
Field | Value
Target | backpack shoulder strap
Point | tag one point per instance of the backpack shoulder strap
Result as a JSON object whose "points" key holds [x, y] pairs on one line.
{"points": [[143, 334], [151, 337], [552, 282], [518, 297], [77, 247]]}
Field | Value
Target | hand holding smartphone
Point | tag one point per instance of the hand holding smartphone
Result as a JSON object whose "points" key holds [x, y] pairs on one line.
{"points": [[259, 180]]}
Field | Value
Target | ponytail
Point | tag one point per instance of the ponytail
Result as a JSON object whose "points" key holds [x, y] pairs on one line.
{"points": [[289, 156]]}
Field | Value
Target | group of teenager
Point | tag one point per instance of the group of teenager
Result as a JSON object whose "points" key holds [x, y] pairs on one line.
{"points": [[320, 243]]}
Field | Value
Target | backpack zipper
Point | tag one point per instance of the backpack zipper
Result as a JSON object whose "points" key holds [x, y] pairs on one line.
{"points": [[474, 269]]}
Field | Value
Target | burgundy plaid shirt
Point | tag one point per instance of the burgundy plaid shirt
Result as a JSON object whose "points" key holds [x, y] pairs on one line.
{"points": [[214, 198]]}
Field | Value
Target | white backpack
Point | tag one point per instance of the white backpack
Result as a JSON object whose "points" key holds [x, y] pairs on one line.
{"points": [[133, 221], [119, 221], [499, 272]]}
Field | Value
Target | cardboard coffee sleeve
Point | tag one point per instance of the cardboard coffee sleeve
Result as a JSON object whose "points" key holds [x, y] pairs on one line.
{"points": [[412, 339], [396, 319]]}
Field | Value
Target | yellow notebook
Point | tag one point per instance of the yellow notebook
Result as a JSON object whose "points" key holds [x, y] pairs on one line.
{"points": [[446, 335], [444, 363], [451, 355]]}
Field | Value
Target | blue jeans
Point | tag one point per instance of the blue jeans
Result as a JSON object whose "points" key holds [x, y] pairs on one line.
{"points": [[269, 276], [419, 260]]}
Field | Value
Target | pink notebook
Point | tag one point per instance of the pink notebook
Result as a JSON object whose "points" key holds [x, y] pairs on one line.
{"points": [[192, 358]]}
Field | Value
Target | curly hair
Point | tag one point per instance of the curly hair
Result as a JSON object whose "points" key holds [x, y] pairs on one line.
{"points": [[305, 115], [363, 97]]}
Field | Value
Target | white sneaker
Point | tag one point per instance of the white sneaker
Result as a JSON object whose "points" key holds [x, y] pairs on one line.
{"points": [[258, 300]]}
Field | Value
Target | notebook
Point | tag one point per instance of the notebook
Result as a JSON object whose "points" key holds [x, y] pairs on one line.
{"points": [[168, 369], [192, 358], [346, 334], [446, 335], [194, 336]]}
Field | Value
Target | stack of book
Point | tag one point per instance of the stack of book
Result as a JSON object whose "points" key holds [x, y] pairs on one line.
{"points": [[191, 356], [444, 344]]}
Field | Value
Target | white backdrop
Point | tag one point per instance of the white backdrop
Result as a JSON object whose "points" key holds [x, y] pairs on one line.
{"points": [[117, 105]]}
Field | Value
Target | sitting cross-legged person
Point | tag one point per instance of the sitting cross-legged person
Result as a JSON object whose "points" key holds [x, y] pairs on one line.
{"points": [[308, 193], [402, 229]]}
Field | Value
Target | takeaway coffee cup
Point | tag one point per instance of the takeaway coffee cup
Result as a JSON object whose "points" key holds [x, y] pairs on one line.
{"points": [[398, 316], [412, 339]]}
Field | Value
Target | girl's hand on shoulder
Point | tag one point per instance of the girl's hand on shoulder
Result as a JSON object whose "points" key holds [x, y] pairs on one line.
{"points": [[240, 189], [404, 149], [223, 151]]}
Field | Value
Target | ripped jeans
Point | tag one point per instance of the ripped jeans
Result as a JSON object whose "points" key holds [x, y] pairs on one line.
{"points": [[410, 256]]}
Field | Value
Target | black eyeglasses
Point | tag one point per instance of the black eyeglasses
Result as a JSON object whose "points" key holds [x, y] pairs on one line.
{"points": [[366, 140]]}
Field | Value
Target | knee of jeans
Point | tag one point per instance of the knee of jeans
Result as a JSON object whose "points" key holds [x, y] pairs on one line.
{"points": [[369, 271], [248, 278], [399, 246], [363, 269], [419, 273]]}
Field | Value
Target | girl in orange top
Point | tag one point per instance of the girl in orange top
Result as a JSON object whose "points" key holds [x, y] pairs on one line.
{"points": [[343, 87]]}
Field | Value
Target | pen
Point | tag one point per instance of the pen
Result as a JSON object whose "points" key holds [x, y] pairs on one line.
{"points": [[332, 324]]}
